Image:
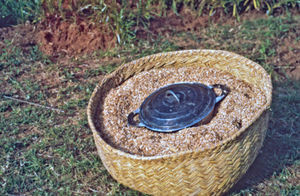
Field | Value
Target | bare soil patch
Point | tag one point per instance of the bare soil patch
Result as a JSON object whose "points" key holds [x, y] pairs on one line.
{"points": [[55, 37], [72, 38]]}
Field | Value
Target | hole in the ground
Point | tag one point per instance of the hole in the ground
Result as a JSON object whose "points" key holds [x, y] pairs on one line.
{"points": [[49, 37]]}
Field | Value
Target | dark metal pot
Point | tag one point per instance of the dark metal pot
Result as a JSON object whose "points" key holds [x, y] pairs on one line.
{"points": [[177, 106]]}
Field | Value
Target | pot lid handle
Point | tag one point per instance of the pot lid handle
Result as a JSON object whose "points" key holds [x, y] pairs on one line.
{"points": [[170, 93], [225, 91], [132, 122]]}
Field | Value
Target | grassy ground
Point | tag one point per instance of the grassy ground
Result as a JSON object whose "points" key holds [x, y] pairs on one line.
{"points": [[48, 152]]}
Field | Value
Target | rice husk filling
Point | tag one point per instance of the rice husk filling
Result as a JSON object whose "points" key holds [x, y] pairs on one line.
{"points": [[232, 114]]}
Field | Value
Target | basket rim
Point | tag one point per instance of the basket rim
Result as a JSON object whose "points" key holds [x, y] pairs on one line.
{"points": [[200, 150]]}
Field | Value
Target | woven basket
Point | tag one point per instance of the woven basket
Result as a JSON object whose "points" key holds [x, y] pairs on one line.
{"points": [[211, 171]]}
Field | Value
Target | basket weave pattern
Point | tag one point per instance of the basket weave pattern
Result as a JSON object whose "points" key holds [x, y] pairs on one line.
{"points": [[211, 171]]}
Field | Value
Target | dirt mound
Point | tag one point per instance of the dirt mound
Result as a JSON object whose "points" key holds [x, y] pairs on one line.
{"points": [[63, 37]]}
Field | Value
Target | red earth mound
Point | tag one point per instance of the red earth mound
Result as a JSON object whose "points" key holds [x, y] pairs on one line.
{"points": [[71, 38]]}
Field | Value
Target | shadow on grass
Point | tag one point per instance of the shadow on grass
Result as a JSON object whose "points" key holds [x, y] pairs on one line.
{"points": [[282, 140]]}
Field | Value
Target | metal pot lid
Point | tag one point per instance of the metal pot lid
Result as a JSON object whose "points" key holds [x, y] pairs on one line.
{"points": [[177, 106]]}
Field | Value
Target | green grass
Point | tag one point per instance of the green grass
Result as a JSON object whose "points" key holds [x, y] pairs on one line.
{"points": [[46, 152], [256, 39], [13, 12]]}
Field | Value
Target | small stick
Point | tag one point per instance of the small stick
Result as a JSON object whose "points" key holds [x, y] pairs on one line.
{"points": [[31, 103]]}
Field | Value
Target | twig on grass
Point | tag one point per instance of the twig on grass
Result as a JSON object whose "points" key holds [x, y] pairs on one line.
{"points": [[35, 104]]}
